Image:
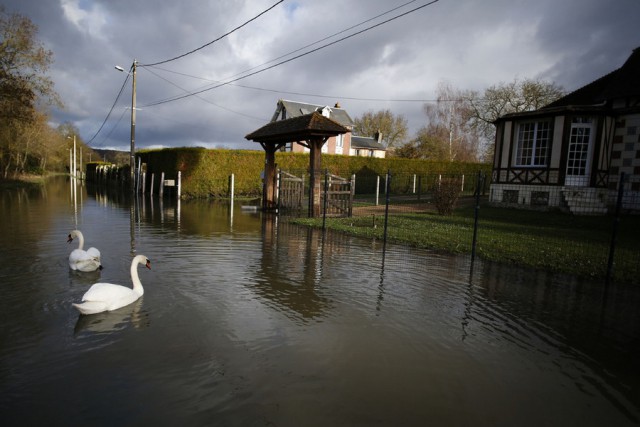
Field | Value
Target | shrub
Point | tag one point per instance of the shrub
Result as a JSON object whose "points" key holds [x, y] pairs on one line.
{"points": [[445, 195]]}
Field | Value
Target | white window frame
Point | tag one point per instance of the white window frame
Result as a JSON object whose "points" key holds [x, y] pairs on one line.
{"points": [[538, 136]]}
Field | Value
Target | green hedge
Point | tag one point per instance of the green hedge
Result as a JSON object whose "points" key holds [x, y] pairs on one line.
{"points": [[206, 173]]}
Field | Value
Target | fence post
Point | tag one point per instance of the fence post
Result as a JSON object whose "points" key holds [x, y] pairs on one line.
{"points": [[479, 183], [352, 195], [414, 183], [161, 191], [278, 183], [386, 212], [179, 185], [326, 191], [614, 232], [377, 188], [231, 190]]}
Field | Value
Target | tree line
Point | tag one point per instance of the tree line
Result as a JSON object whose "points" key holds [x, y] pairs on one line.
{"points": [[459, 124], [28, 144]]}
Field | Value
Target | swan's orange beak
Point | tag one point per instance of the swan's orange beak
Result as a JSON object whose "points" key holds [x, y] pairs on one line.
{"points": [[148, 264], [69, 239]]}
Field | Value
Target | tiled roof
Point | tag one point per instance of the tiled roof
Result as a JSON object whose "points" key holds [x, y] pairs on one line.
{"points": [[295, 109], [301, 128], [366, 142]]}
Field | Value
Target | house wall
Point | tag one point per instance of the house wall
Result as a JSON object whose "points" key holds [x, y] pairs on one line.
{"points": [[556, 142], [625, 157], [365, 152], [533, 187], [329, 147]]}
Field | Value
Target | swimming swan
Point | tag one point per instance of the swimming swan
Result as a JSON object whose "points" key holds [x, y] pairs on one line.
{"points": [[107, 297], [80, 259]]}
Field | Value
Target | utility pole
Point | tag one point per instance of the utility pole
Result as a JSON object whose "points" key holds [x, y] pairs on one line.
{"points": [[132, 160]]}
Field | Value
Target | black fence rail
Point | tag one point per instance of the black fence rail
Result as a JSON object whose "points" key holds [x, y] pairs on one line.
{"points": [[452, 213]]}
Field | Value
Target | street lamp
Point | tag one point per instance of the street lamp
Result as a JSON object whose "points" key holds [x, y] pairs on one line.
{"points": [[132, 155]]}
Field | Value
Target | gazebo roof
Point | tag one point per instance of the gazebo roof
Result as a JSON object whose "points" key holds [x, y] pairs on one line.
{"points": [[302, 128]]}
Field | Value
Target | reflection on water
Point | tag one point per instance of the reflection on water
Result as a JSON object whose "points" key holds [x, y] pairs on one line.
{"points": [[106, 322], [248, 320]]}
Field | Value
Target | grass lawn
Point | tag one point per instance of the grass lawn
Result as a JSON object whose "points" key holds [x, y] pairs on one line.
{"points": [[556, 241]]}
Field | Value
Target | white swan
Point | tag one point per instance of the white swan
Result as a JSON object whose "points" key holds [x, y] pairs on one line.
{"points": [[107, 297], [82, 260]]}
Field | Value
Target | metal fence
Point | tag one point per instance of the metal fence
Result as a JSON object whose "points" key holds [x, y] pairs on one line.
{"points": [[453, 213]]}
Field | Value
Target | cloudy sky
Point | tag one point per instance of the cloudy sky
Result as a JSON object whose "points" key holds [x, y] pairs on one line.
{"points": [[397, 65]]}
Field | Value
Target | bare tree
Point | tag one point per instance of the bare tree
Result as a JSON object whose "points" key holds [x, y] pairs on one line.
{"points": [[448, 133], [504, 98]]}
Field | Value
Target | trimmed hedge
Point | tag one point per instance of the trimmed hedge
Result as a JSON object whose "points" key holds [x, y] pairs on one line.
{"points": [[206, 173]]}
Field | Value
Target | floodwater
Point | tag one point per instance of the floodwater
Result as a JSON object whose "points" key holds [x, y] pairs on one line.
{"points": [[249, 321]]}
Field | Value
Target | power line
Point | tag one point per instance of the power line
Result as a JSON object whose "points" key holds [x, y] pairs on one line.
{"points": [[213, 41], [111, 110], [204, 99], [292, 93], [290, 59], [326, 38], [101, 144]]}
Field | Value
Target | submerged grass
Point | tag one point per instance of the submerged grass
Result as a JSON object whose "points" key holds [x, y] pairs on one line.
{"points": [[556, 241]]}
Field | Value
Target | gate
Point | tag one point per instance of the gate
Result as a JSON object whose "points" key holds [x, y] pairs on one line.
{"points": [[290, 191], [337, 196]]}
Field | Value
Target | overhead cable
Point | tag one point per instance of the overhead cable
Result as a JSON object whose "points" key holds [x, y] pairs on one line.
{"points": [[111, 110], [315, 95], [213, 41], [290, 59]]}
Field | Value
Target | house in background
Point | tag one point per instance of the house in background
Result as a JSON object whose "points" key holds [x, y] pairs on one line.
{"points": [[570, 153], [340, 144], [364, 146]]}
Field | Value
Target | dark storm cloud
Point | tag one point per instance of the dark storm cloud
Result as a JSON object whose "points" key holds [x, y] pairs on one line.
{"points": [[470, 44]]}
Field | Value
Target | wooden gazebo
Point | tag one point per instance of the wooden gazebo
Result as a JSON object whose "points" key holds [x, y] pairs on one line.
{"points": [[312, 131]]}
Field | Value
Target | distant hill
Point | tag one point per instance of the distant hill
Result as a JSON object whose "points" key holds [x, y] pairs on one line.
{"points": [[113, 156]]}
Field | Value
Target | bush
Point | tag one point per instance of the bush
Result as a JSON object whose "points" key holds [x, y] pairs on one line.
{"points": [[445, 195]]}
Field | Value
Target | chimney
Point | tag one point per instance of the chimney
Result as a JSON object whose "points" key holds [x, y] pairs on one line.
{"points": [[378, 136]]}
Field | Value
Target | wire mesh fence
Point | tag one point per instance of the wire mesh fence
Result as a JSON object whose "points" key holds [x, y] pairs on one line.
{"points": [[452, 213]]}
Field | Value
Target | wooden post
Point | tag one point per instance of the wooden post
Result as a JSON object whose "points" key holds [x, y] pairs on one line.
{"points": [[315, 148], [161, 184], [269, 184], [151, 186]]}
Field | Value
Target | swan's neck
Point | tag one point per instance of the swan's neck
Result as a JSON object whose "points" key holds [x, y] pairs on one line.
{"points": [[137, 285], [80, 240]]}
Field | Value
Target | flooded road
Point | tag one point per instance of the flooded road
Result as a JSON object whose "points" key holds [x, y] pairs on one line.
{"points": [[249, 321]]}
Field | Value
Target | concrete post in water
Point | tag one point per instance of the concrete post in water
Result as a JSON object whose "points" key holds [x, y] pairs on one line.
{"points": [[179, 185], [151, 187], [161, 191], [231, 190]]}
